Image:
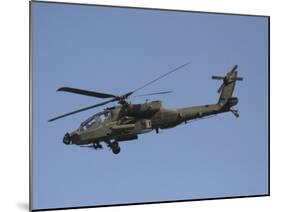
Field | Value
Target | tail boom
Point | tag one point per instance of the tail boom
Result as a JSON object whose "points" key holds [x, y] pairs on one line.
{"points": [[225, 103]]}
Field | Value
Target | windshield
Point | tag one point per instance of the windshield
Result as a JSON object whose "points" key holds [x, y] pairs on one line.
{"points": [[95, 120]]}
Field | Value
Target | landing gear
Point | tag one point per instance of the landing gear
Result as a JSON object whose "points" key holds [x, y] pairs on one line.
{"points": [[114, 146], [97, 146], [235, 112]]}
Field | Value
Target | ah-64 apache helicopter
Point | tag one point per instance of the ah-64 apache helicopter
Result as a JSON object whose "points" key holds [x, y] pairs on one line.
{"points": [[126, 121]]}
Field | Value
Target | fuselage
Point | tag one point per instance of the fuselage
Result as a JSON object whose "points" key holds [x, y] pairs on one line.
{"points": [[126, 124], [126, 121]]}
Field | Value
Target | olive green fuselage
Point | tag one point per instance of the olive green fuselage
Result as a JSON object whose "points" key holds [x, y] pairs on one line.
{"points": [[126, 121], [126, 124]]}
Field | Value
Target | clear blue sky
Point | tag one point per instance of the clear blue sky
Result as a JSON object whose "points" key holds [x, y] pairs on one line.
{"points": [[115, 50]]}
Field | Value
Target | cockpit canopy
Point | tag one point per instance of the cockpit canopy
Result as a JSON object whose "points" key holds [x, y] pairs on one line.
{"points": [[95, 120]]}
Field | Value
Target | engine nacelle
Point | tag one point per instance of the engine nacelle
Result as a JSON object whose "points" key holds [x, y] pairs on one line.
{"points": [[146, 109]]}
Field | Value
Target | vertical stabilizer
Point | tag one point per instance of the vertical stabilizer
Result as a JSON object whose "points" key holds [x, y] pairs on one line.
{"points": [[227, 87]]}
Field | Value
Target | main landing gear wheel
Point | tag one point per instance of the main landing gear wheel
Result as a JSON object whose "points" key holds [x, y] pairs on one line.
{"points": [[115, 147]]}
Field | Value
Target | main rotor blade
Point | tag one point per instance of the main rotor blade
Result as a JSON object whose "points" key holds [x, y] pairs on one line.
{"points": [[151, 94], [105, 95], [82, 109], [86, 92], [158, 78]]}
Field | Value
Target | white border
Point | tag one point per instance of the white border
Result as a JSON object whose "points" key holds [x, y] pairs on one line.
{"points": [[14, 86]]}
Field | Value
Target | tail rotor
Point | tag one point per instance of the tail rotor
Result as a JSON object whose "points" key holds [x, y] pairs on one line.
{"points": [[226, 100], [229, 78]]}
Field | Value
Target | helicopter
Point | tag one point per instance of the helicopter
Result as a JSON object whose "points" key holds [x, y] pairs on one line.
{"points": [[126, 121]]}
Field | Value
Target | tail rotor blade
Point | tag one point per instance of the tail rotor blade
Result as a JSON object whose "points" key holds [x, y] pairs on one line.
{"points": [[234, 68], [239, 78], [217, 77]]}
